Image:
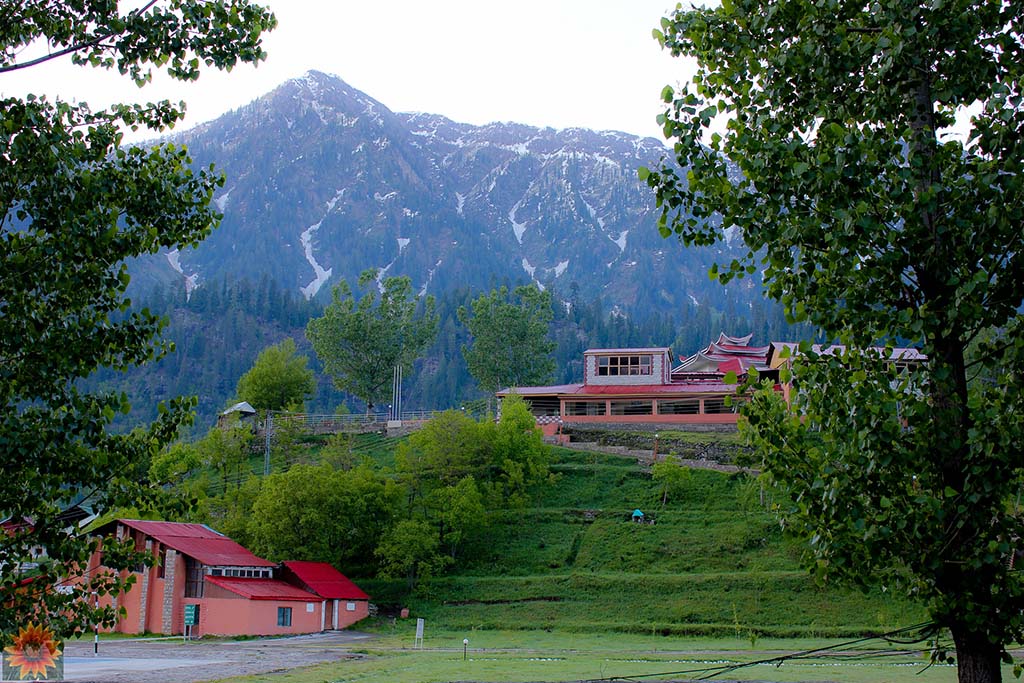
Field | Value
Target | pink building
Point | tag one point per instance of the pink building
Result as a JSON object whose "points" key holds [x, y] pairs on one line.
{"points": [[234, 591], [344, 603], [645, 386]]}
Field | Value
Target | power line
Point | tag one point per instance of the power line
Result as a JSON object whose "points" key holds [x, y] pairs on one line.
{"points": [[924, 629]]}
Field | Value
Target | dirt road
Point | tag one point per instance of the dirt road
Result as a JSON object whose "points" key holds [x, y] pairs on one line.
{"points": [[172, 661]]}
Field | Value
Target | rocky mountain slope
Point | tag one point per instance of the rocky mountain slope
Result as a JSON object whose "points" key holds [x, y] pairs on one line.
{"points": [[323, 182]]}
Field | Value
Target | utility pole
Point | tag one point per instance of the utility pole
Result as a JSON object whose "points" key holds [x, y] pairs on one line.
{"points": [[266, 451]]}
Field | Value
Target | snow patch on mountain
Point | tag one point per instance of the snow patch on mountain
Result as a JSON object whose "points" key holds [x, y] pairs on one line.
{"points": [[384, 197], [221, 202], [733, 234], [517, 228], [593, 214], [191, 281], [320, 274], [560, 268], [621, 240], [403, 242], [334, 200], [460, 201], [430, 276], [530, 270]]}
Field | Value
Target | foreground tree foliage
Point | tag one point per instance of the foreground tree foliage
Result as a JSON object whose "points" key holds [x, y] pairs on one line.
{"points": [[874, 225], [360, 343], [74, 205]]}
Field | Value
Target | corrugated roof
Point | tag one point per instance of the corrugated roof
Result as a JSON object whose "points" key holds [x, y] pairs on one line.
{"points": [[326, 581], [542, 391], [649, 349], [263, 589], [903, 353], [710, 387], [199, 542]]}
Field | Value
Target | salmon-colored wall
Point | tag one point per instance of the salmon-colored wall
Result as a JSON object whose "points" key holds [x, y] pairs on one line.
{"points": [[346, 618], [709, 418], [238, 616]]}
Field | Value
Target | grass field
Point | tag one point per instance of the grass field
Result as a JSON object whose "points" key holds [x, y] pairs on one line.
{"points": [[573, 590], [714, 563], [558, 656]]}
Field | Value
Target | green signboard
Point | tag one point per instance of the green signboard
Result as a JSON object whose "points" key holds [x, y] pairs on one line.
{"points": [[191, 615]]}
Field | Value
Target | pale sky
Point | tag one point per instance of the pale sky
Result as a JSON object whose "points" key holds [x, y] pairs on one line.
{"points": [[559, 63]]}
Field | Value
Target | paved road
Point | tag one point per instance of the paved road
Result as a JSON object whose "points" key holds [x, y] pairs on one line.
{"points": [[173, 661]]}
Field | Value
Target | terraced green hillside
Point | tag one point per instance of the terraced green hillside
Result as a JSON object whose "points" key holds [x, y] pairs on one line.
{"points": [[714, 562]]}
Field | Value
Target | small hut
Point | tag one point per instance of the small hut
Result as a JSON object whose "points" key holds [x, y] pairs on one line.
{"points": [[240, 413]]}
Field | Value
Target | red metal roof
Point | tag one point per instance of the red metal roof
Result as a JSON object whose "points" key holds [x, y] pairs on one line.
{"points": [[326, 581], [263, 589], [709, 387], [631, 350], [542, 391], [199, 542]]}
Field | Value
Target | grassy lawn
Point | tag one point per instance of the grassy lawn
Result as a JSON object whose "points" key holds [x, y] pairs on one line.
{"points": [[557, 656]]}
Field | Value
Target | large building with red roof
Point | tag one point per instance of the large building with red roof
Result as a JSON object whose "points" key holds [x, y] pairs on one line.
{"points": [[224, 588], [645, 386]]}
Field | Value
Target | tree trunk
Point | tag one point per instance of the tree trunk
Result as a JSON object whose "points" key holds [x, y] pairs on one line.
{"points": [[977, 658]]}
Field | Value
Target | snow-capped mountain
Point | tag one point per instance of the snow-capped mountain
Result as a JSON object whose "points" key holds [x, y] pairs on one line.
{"points": [[323, 182]]}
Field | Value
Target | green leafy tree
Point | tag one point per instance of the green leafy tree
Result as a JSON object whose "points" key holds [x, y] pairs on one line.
{"points": [[672, 478], [314, 512], [278, 380], [227, 453], [360, 343], [872, 223], [519, 458], [461, 515], [75, 204], [511, 345], [411, 549]]}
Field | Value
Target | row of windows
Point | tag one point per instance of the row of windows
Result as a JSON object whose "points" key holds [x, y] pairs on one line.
{"points": [[624, 365], [244, 573], [688, 406]]}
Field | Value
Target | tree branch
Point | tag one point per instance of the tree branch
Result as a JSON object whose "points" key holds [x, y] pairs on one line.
{"points": [[73, 48]]}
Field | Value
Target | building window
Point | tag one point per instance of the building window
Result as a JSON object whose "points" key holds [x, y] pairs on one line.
{"points": [[284, 616], [350, 607], [632, 407], [716, 406], [193, 578], [624, 365], [161, 563], [681, 406], [584, 408]]}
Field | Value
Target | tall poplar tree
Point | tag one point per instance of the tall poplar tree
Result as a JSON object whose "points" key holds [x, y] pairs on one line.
{"points": [[74, 205], [873, 222], [511, 344], [361, 342]]}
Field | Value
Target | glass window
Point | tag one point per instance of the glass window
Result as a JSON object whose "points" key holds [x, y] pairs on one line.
{"points": [[584, 408], [193, 578], [350, 607], [679, 406], [716, 406], [284, 616], [624, 365], [632, 407]]}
